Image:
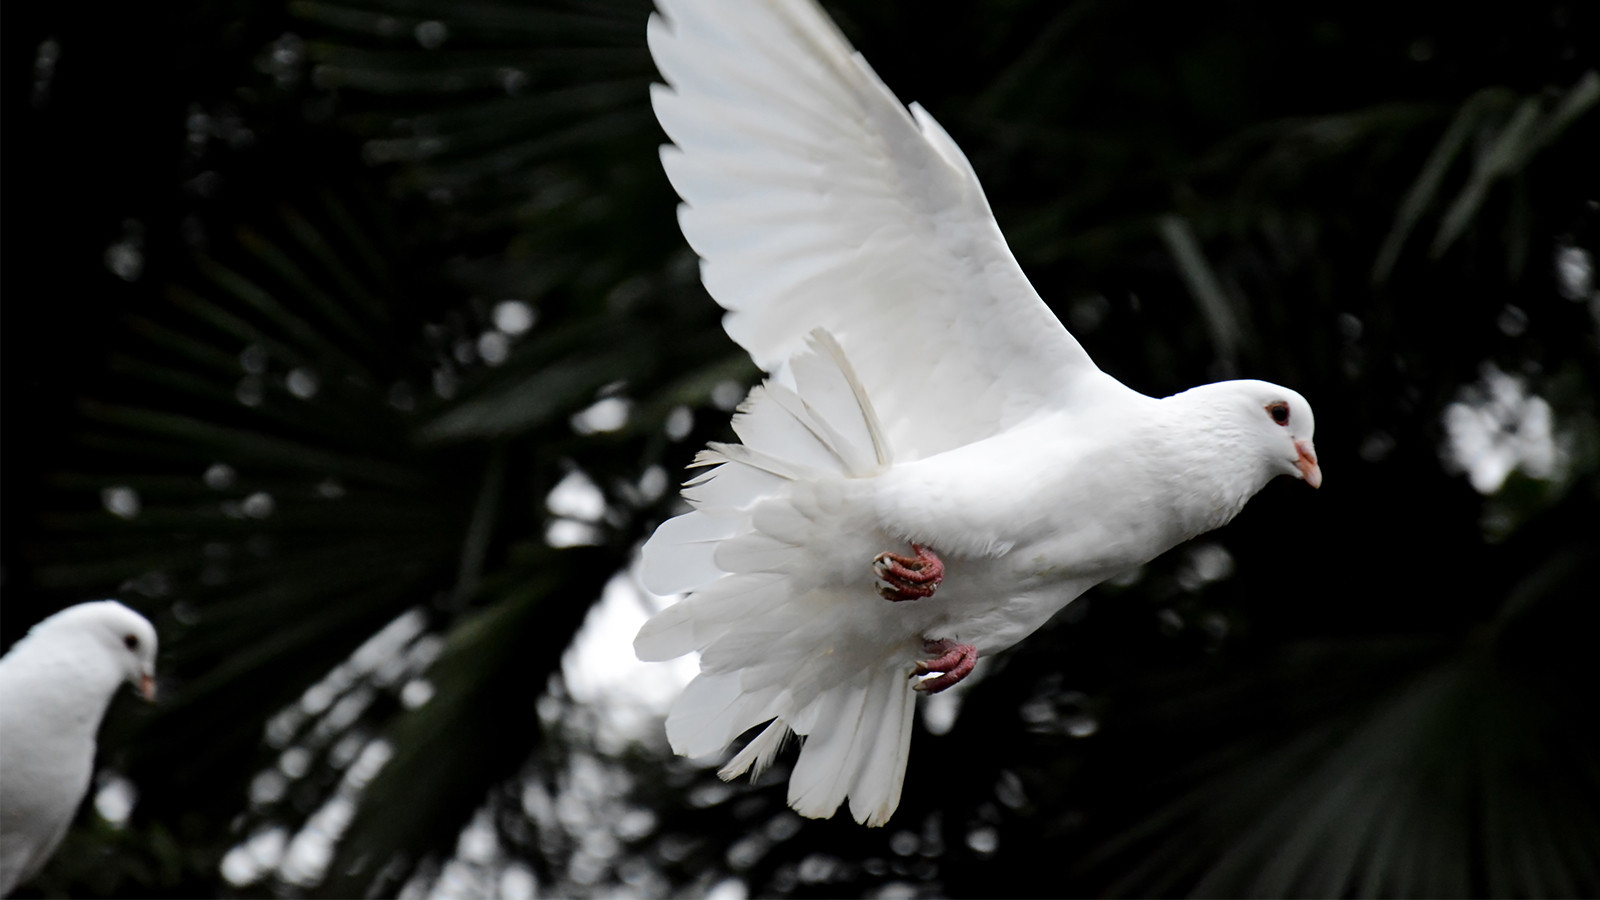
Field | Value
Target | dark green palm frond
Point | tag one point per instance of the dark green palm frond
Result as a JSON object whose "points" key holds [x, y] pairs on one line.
{"points": [[1439, 772], [479, 725], [1506, 131], [253, 468], [507, 112], [258, 425]]}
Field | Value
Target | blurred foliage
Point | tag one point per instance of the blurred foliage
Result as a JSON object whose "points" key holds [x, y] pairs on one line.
{"points": [[260, 295]]}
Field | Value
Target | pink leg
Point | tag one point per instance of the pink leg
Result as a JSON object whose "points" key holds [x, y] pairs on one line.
{"points": [[956, 663], [908, 577]]}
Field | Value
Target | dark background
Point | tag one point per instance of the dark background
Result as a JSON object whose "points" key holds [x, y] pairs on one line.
{"points": [[1381, 688]]}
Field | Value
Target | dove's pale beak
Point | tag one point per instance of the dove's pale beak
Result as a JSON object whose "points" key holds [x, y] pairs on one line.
{"points": [[147, 686], [1307, 463]]}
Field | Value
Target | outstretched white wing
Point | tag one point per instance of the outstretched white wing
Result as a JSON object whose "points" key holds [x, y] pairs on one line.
{"points": [[816, 199]]}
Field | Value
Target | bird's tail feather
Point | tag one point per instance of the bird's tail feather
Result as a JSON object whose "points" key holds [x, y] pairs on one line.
{"points": [[733, 551], [775, 641], [860, 737]]}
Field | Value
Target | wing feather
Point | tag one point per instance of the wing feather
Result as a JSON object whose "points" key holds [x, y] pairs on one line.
{"points": [[817, 200]]}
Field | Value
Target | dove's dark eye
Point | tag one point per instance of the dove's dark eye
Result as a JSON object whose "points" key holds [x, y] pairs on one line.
{"points": [[131, 641], [1279, 412]]}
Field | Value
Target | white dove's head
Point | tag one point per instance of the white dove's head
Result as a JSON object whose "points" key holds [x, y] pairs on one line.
{"points": [[124, 636], [1280, 422], [1262, 427]]}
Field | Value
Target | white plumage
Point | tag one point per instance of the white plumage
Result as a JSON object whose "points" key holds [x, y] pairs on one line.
{"points": [[921, 392], [55, 685]]}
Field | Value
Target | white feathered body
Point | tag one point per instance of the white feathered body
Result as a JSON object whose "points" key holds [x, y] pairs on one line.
{"points": [[52, 698], [777, 560]]}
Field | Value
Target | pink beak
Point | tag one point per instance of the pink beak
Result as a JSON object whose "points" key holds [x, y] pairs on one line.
{"points": [[147, 687], [1307, 463]]}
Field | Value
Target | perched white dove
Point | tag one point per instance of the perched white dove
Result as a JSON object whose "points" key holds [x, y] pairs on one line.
{"points": [[935, 466], [55, 685]]}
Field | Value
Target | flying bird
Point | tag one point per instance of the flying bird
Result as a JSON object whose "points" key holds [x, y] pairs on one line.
{"points": [[55, 685], [934, 466]]}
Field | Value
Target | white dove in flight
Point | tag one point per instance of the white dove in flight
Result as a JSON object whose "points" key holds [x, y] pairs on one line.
{"points": [[55, 685], [935, 466]]}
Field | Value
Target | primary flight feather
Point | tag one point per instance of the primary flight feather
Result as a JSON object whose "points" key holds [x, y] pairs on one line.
{"points": [[935, 466]]}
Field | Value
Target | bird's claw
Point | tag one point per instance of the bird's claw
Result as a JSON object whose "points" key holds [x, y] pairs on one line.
{"points": [[955, 663], [908, 577]]}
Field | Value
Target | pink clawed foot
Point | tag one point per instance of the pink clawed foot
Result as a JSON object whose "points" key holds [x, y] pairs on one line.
{"points": [[956, 663], [908, 577]]}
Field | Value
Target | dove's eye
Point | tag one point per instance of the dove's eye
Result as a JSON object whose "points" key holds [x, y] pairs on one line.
{"points": [[1279, 412], [131, 641]]}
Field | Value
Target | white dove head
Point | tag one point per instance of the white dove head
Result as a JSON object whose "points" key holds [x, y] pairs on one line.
{"points": [[1281, 423], [126, 637]]}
